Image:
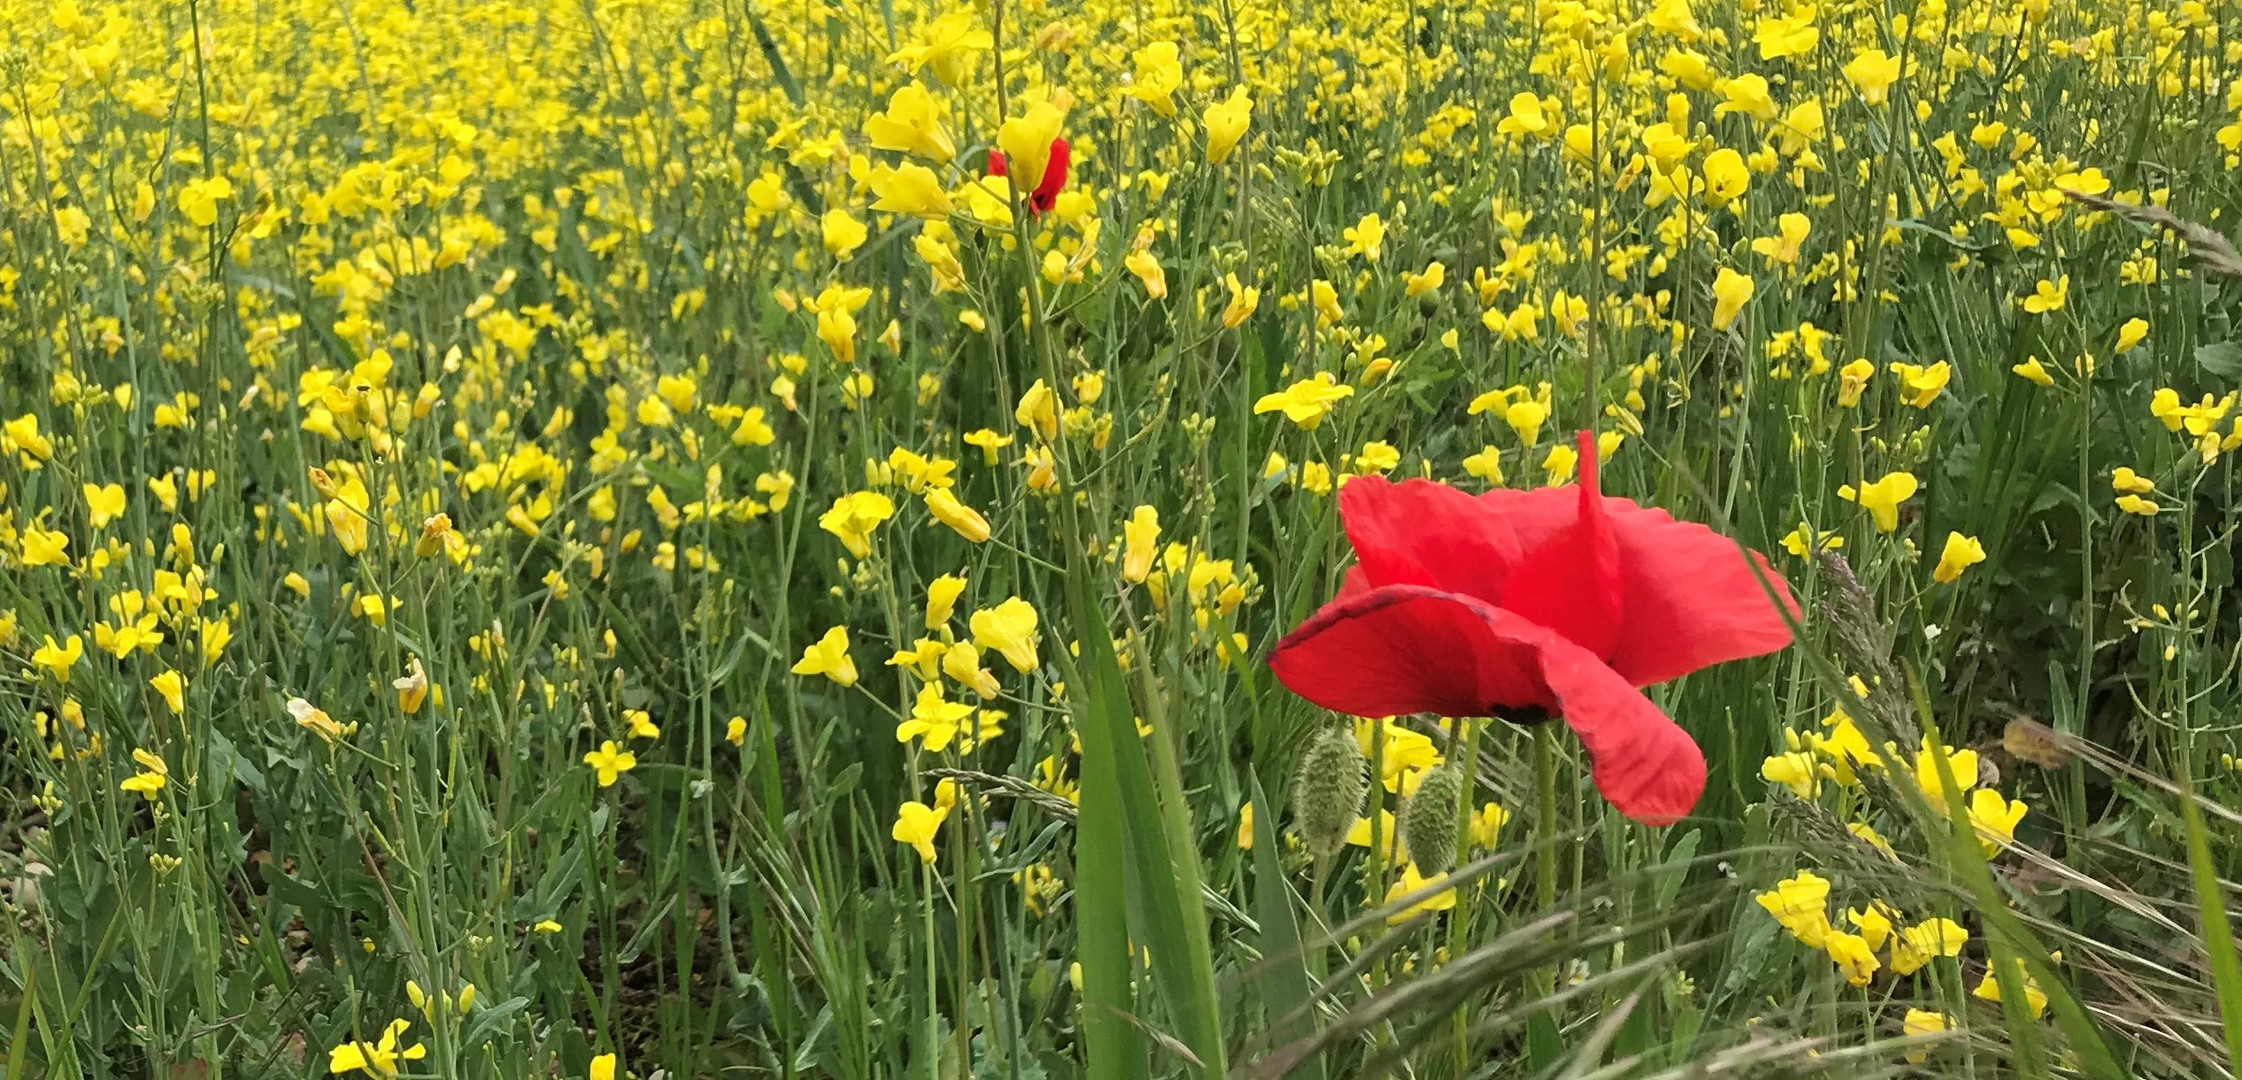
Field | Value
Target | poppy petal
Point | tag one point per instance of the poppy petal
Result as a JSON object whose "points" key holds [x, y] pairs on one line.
{"points": [[1046, 193], [1409, 649], [1571, 581], [1643, 763], [1689, 598], [1421, 533], [1352, 583], [1536, 514], [1692, 600]]}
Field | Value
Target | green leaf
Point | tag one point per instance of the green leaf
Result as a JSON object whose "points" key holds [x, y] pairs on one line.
{"points": [[1668, 877], [2218, 933], [2223, 359], [1161, 863], [1114, 1047], [2016, 950], [1285, 988], [23, 1016], [486, 1022]]}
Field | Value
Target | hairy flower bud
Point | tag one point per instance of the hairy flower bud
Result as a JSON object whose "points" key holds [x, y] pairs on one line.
{"points": [[1428, 819], [1328, 791]]}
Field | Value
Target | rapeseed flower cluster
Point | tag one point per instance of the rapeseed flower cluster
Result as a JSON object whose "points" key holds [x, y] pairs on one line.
{"points": [[516, 496]]}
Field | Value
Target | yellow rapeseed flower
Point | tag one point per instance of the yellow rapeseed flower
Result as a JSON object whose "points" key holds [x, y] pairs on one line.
{"points": [[1306, 402], [909, 188], [962, 519], [1960, 553], [2049, 296], [1731, 291], [1872, 72], [912, 124], [377, 1059], [1852, 956], [1882, 497], [609, 762], [1995, 819], [1726, 177], [1921, 943], [1790, 235], [1801, 904], [104, 504], [934, 720], [828, 656], [1225, 123], [1410, 882], [43, 547], [1009, 628], [2035, 1000], [58, 659], [1140, 542], [1243, 300], [2132, 333], [172, 687], [151, 778], [1026, 141], [1920, 1022], [1962, 763], [1158, 75], [852, 518], [917, 823]]}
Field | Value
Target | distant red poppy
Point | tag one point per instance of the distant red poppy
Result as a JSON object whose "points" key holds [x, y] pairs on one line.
{"points": [[1527, 604], [1046, 193]]}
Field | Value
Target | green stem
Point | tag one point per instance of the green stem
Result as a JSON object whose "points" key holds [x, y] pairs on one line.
{"points": [[933, 1022], [1460, 925], [1374, 865], [1545, 835]]}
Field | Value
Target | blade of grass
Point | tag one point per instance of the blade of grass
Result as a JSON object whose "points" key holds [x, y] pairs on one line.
{"points": [[1285, 985], [1165, 854], [2218, 933], [23, 1020], [1960, 845], [1114, 1047], [2025, 952]]}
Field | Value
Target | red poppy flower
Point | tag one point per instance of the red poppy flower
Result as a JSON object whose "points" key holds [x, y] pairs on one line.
{"points": [[1046, 193], [1526, 604]]}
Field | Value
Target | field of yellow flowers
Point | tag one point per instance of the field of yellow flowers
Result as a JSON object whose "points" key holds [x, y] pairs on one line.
{"points": [[1020, 540]]}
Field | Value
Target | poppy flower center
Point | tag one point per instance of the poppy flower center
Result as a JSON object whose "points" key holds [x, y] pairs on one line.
{"points": [[1521, 715]]}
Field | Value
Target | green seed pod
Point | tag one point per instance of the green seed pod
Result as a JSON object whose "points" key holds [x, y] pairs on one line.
{"points": [[1327, 794], [1428, 819]]}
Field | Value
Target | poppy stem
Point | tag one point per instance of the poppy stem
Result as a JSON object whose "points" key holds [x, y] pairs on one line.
{"points": [[1545, 834]]}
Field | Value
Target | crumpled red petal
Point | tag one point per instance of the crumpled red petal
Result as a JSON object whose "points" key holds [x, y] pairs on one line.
{"points": [[1644, 764], [1536, 514], [1421, 533], [1571, 581], [1692, 600], [1413, 648], [1688, 598], [1046, 193], [1409, 648]]}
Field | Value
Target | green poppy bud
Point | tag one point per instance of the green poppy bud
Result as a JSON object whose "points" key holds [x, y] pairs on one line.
{"points": [[1428, 819], [1328, 792]]}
